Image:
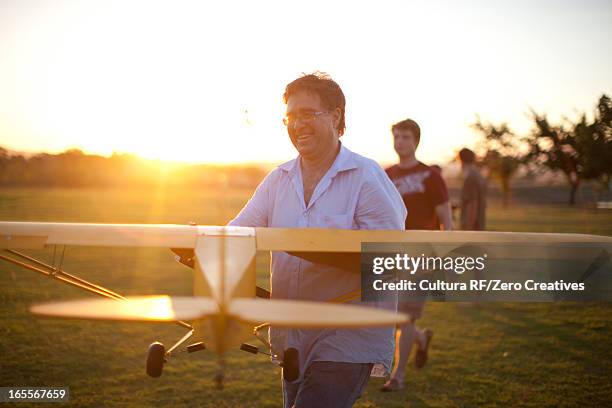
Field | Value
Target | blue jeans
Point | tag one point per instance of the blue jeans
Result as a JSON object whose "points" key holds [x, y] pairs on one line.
{"points": [[328, 384]]}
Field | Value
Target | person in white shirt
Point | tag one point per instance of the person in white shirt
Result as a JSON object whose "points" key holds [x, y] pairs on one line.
{"points": [[326, 186]]}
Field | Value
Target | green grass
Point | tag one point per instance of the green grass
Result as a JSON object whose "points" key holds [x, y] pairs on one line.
{"points": [[500, 354]]}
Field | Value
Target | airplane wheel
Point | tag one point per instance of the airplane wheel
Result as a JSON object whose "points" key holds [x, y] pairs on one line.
{"points": [[155, 359], [291, 365]]}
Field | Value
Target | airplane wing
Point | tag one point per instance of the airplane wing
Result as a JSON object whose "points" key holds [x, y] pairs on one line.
{"points": [[339, 248], [342, 248], [38, 234], [50, 233], [302, 240]]}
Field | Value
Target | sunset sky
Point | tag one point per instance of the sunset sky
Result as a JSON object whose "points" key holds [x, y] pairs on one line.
{"points": [[203, 82]]}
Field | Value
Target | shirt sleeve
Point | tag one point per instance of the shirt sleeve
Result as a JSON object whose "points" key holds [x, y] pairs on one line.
{"points": [[437, 191], [379, 205], [255, 212]]}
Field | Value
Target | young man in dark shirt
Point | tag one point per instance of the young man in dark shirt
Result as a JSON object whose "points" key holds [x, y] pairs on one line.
{"points": [[425, 195]]}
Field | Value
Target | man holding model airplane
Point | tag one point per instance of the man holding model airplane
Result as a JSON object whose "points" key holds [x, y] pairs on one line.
{"points": [[326, 186]]}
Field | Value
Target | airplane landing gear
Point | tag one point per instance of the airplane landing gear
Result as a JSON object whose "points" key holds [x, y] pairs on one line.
{"points": [[155, 359], [291, 365], [157, 354]]}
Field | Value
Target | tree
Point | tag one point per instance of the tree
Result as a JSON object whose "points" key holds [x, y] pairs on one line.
{"points": [[501, 154], [581, 150], [594, 142]]}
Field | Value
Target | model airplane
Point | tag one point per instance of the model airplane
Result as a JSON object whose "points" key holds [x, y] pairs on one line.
{"points": [[227, 307]]}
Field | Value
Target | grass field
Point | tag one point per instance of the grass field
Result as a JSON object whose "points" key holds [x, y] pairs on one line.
{"points": [[497, 355]]}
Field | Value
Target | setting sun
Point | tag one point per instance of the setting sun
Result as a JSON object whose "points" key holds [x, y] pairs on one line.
{"points": [[192, 83]]}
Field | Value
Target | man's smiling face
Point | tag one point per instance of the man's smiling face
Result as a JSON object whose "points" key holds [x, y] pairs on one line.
{"points": [[311, 127]]}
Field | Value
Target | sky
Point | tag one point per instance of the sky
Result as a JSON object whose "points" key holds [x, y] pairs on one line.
{"points": [[203, 82]]}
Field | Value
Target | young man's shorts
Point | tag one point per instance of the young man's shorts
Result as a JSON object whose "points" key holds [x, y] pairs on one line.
{"points": [[414, 309], [412, 303]]}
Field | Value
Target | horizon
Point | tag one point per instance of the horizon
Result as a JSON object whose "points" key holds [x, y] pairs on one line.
{"points": [[261, 164], [203, 85]]}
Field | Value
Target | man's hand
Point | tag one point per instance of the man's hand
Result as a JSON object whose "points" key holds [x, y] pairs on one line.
{"points": [[184, 256], [443, 211]]}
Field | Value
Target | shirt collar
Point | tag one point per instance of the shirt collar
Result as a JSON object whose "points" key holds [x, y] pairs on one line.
{"points": [[344, 161]]}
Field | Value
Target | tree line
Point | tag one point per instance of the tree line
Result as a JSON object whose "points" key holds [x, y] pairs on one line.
{"points": [[73, 168], [579, 149]]}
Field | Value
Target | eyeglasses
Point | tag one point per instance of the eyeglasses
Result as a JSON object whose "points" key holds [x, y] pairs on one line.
{"points": [[291, 118]]}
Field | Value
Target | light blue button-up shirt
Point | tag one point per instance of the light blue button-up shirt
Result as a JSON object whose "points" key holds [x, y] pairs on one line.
{"points": [[355, 193]]}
